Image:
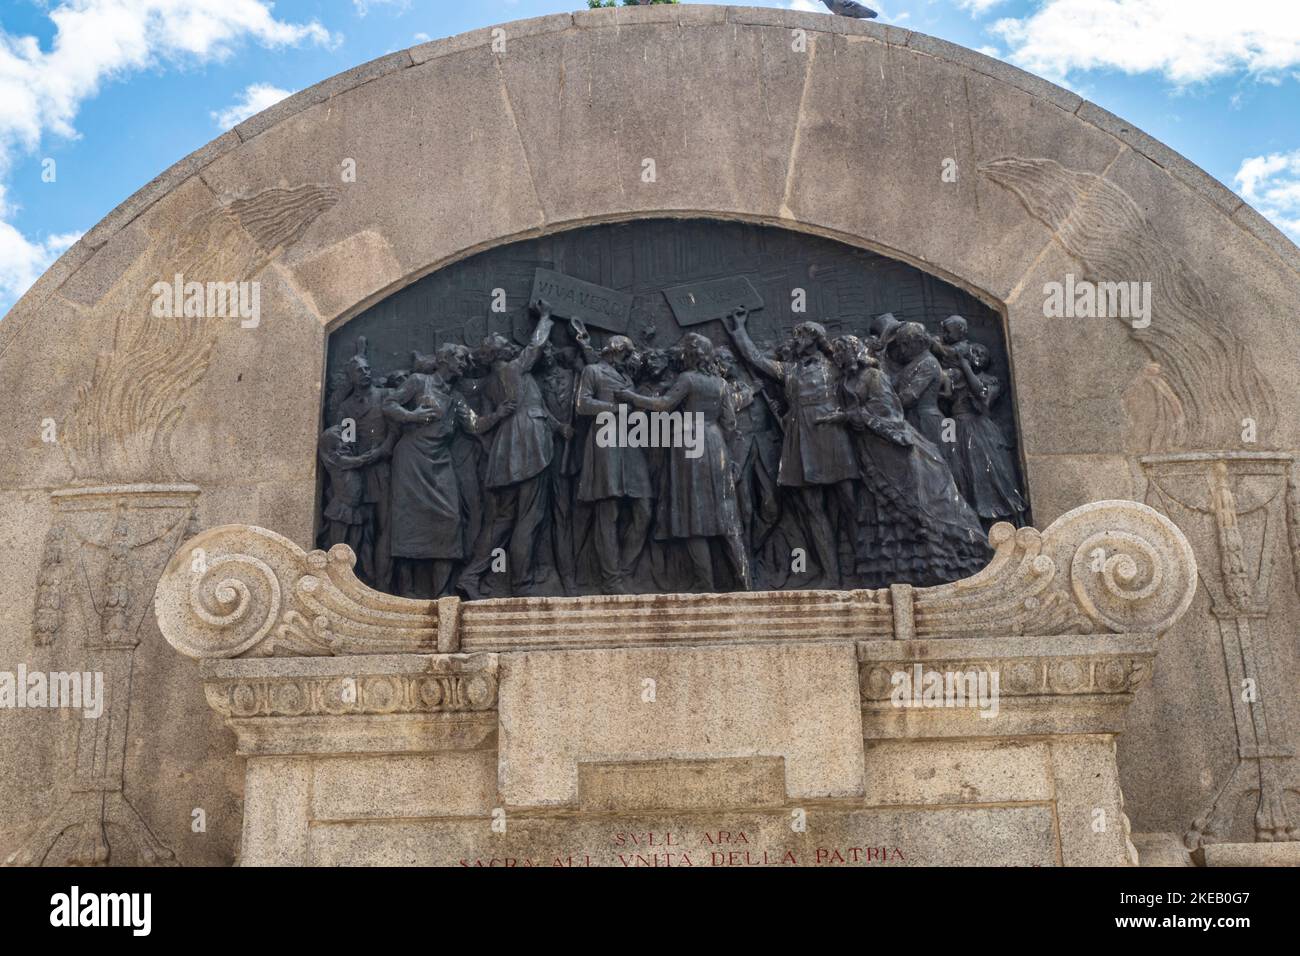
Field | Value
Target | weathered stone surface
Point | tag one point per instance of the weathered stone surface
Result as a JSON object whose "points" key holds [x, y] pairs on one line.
{"points": [[448, 784], [989, 262], [669, 725], [321, 92], [860, 128], [579, 156], [89, 613], [1067, 685], [957, 773], [784, 741], [1252, 854], [419, 156], [1161, 155], [560, 709], [375, 704], [1161, 849], [1235, 507], [701, 784], [1083, 413], [106, 266], [1067, 479], [553, 23], [1089, 804], [276, 800], [998, 69], [1132, 220], [836, 836]]}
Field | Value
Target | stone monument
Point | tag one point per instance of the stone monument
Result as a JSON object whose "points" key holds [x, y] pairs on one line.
{"points": [[646, 481], [777, 728]]}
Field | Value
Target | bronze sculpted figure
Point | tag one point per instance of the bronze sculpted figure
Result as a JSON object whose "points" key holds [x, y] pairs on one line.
{"points": [[559, 385], [817, 459], [918, 379], [428, 539], [521, 452], [758, 453], [373, 437], [926, 533], [699, 492], [983, 463], [614, 479], [349, 517]]}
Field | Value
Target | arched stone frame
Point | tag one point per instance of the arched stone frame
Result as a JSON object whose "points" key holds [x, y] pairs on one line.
{"points": [[845, 139]]}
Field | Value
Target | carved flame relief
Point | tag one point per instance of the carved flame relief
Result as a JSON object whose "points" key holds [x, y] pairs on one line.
{"points": [[1205, 380], [121, 425]]}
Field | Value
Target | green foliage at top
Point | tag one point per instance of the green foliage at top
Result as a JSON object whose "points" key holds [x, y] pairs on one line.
{"points": [[597, 4]]}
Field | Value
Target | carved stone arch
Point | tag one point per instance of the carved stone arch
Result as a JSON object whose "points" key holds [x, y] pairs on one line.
{"points": [[458, 148]]}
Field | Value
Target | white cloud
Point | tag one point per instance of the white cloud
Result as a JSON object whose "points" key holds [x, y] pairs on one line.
{"points": [[95, 41], [979, 7], [807, 6], [1187, 41], [363, 6], [1272, 185], [22, 260], [254, 99]]}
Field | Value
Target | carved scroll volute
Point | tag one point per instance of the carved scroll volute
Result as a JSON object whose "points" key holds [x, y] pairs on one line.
{"points": [[241, 591], [1128, 567], [224, 590]]}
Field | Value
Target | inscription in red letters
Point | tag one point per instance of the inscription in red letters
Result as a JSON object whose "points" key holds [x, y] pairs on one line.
{"points": [[718, 847]]}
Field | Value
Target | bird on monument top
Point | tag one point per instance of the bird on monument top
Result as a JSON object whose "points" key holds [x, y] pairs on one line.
{"points": [[850, 8]]}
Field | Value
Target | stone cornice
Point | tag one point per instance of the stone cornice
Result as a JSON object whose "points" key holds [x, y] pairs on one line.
{"points": [[1034, 685], [406, 684], [361, 704], [1041, 685]]}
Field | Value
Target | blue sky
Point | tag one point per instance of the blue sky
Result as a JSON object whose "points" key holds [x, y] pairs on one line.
{"points": [[115, 91]]}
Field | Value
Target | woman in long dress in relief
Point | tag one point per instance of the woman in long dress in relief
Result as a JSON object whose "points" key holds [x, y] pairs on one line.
{"points": [[988, 475], [917, 378], [926, 533], [428, 525], [698, 500]]}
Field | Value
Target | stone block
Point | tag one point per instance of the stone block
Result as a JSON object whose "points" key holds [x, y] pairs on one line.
{"points": [[561, 709], [275, 812], [1089, 804], [1252, 854], [682, 784], [448, 784], [923, 773]]}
